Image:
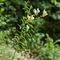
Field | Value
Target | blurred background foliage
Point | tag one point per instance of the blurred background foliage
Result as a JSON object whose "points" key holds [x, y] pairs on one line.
{"points": [[25, 23]]}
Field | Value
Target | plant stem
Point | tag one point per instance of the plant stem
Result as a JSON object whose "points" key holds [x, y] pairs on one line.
{"points": [[13, 55]]}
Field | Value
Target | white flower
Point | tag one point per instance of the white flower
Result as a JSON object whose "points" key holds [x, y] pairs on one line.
{"points": [[34, 11], [44, 13], [38, 10], [28, 17], [32, 17]]}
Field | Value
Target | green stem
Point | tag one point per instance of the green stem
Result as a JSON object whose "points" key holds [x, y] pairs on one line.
{"points": [[13, 55]]}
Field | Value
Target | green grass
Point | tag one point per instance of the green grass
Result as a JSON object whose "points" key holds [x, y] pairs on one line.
{"points": [[6, 53]]}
